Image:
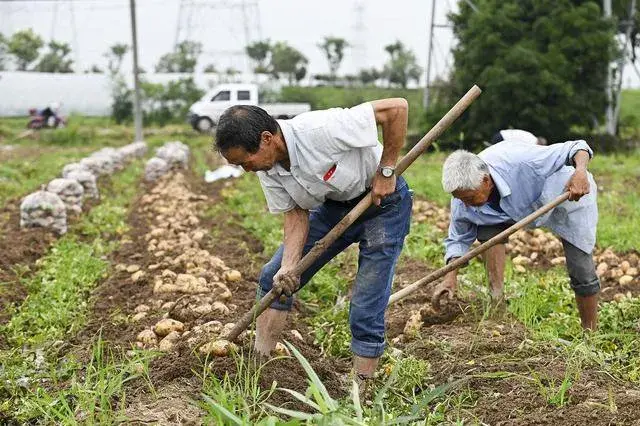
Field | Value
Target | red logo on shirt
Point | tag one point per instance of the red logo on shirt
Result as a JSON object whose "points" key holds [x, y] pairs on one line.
{"points": [[329, 173]]}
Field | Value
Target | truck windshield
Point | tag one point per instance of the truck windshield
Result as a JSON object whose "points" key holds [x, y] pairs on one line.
{"points": [[225, 95]]}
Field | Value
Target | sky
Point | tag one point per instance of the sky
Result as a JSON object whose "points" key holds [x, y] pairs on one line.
{"points": [[92, 26]]}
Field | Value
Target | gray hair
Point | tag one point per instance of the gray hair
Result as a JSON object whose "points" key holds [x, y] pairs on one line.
{"points": [[463, 170]]}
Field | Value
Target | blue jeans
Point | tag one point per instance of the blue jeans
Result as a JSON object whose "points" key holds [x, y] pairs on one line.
{"points": [[380, 233]]}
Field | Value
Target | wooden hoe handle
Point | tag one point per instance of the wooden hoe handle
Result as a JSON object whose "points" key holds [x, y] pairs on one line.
{"points": [[321, 245], [461, 261]]}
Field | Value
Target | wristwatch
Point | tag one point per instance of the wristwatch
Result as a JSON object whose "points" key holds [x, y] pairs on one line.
{"points": [[387, 171]]}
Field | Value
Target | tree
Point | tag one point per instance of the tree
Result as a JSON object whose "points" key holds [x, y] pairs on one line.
{"points": [[289, 61], [3, 52], [183, 59], [210, 68], [333, 48], [56, 59], [542, 65], [94, 70], [369, 76], [259, 52], [402, 66], [24, 45], [114, 56]]}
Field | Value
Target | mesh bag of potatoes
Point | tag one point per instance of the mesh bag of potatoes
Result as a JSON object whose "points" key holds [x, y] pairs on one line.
{"points": [[175, 153], [69, 191], [155, 168], [99, 165], [42, 209], [73, 167], [88, 182]]}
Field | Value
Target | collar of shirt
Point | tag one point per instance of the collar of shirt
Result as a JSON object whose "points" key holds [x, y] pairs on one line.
{"points": [[290, 141], [503, 187], [504, 190]]}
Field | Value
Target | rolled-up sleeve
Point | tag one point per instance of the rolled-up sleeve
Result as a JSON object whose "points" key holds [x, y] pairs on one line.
{"points": [[278, 199], [550, 159], [462, 233]]}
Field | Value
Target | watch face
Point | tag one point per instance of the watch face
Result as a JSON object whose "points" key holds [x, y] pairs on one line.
{"points": [[386, 172]]}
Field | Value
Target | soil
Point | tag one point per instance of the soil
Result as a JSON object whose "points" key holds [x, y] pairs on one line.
{"points": [[116, 299], [491, 359], [21, 248]]}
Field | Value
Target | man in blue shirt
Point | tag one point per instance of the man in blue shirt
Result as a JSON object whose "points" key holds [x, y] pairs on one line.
{"points": [[505, 183]]}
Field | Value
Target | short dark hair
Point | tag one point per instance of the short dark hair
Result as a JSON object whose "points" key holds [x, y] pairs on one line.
{"points": [[241, 126]]}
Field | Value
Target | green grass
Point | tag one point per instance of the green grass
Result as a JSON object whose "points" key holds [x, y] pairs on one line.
{"points": [[424, 177], [20, 176], [629, 115], [55, 308], [618, 200], [91, 392], [331, 97]]}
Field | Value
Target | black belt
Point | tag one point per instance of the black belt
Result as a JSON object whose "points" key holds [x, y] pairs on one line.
{"points": [[349, 203]]}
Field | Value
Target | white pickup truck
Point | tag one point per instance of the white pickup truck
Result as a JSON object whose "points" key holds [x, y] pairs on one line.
{"points": [[204, 114]]}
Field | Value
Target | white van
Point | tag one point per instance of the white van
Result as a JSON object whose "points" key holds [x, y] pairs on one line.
{"points": [[204, 114]]}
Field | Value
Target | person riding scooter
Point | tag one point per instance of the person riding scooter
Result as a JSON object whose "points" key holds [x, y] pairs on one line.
{"points": [[48, 117]]}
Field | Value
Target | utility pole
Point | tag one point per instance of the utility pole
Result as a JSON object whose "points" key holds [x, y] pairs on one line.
{"points": [[425, 97], [137, 111], [609, 114]]}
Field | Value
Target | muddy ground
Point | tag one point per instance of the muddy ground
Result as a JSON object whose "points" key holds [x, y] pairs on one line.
{"points": [[493, 359]]}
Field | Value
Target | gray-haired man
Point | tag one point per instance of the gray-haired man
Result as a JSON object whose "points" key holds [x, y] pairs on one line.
{"points": [[505, 183]]}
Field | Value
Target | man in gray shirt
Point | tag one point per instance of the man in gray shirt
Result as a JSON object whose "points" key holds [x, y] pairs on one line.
{"points": [[314, 168]]}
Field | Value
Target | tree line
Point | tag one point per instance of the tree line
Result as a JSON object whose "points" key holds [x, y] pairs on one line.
{"points": [[276, 59]]}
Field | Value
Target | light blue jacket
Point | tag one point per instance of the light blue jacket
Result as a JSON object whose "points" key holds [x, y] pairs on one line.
{"points": [[527, 177]]}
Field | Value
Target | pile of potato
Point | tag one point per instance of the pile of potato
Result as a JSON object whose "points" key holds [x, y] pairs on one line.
{"points": [[425, 211], [535, 247], [190, 285]]}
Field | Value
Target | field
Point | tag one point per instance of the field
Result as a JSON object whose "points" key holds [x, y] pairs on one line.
{"points": [[72, 308]]}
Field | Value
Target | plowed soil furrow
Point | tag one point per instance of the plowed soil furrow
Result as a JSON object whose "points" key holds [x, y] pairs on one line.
{"points": [[119, 299]]}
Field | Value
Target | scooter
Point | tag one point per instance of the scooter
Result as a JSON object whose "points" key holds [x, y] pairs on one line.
{"points": [[45, 119]]}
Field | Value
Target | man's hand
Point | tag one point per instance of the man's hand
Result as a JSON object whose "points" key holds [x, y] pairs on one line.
{"points": [[445, 290], [578, 185], [381, 187], [286, 282]]}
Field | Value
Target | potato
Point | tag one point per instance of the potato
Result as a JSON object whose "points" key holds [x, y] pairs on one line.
{"points": [[520, 268], [602, 269], [232, 276], [220, 308], [619, 297], [147, 337], [625, 265], [137, 276], [141, 308], [521, 260], [169, 341], [413, 325], [139, 316], [167, 325], [296, 334], [218, 348], [281, 350], [625, 280]]}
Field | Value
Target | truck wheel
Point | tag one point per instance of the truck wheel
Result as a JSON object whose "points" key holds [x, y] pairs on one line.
{"points": [[204, 125]]}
